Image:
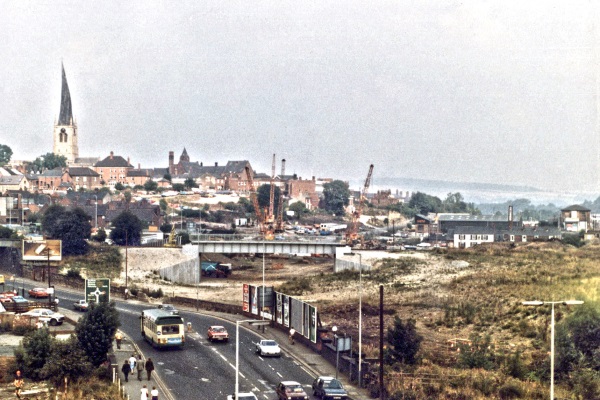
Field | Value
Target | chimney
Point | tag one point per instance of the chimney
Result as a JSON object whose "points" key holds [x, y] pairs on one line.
{"points": [[128, 160], [510, 217], [139, 166], [171, 161], [283, 167], [111, 155], [216, 164]]}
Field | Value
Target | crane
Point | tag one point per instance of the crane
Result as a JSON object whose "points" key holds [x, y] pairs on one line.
{"points": [[352, 232], [260, 217]]}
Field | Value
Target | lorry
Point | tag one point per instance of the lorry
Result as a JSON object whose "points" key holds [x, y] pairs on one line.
{"points": [[215, 269]]}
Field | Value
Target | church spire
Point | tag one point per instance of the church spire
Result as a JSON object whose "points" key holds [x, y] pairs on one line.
{"points": [[66, 111]]}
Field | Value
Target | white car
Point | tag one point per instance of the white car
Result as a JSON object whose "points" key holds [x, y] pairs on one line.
{"points": [[242, 396], [268, 348], [46, 315]]}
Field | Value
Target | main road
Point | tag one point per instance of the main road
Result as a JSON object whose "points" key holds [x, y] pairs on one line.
{"points": [[203, 369]]}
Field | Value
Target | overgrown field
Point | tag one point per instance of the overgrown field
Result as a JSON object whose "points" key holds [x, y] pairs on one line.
{"points": [[475, 296]]}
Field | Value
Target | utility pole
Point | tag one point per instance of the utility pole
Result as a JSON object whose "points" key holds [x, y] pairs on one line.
{"points": [[381, 387]]}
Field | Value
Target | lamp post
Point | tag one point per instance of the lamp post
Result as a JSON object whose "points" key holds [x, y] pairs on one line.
{"points": [[540, 303], [337, 350], [237, 350], [359, 319], [262, 307], [96, 219]]}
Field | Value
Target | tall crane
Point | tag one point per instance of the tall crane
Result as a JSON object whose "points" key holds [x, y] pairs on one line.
{"points": [[352, 232], [270, 216], [253, 196]]}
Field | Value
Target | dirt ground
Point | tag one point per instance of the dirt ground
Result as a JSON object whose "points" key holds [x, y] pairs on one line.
{"points": [[337, 303]]}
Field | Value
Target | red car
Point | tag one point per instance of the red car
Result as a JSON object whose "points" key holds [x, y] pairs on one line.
{"points": [[6, 297], [38, 293], [217, 332]]}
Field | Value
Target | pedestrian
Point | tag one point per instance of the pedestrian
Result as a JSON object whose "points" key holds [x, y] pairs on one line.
{"points": [[140, 367], [132, 361], [291, 337], [144, 391], [118, 338], [154, 393], [149, 367], [126, 369], [19, 383]]}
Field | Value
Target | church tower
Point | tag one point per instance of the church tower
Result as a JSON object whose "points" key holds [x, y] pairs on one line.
{"points": [[65, 131]]}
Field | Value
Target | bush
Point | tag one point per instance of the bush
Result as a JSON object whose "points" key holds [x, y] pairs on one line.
{"points": [[73, 273], [156, 293], [510, 391]]}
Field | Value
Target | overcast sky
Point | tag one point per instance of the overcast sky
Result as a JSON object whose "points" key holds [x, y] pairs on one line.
{"points": [[494, 92]]}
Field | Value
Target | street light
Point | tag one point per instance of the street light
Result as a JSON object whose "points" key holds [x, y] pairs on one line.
{"points": [[540, 303], [237, 349], [359, 318], [96, 219], [337, 350]]}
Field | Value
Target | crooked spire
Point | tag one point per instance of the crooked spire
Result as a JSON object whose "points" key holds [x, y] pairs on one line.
{"points": [[66, 111]]}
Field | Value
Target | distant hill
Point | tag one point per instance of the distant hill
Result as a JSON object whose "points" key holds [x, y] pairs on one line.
{"points": [[479, 192]]}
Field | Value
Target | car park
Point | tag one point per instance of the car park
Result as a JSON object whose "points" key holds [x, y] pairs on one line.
{"points": [[169, 308], [287, 390], [217, 333], [46, 315], [81, 305], [38, 293], [268, 348], [242, 396], [329, 388]]}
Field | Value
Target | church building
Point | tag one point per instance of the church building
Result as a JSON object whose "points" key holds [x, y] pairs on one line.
{"points": [[65, 130]]}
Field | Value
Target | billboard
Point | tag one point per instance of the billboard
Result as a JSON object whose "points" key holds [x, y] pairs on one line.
{"points": [[246, 298], [97, 290], [42, 250]]}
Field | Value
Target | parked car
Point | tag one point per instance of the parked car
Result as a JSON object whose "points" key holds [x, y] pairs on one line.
{"points": [[46, 315], [6, 297], [217, 332], [290, 390], [19, 300], [268, 348], [242, 396], [81, 305], [329, 388], [169, 308], [38, 293]]}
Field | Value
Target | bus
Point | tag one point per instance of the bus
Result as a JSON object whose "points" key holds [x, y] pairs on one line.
{"points": [[162, 329]]}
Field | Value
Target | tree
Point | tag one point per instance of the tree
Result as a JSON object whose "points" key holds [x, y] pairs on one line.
{"points": [[578, 339], [299, 209], [7, 233], [47, 161], [119, 186], [423, 203], [5, 154], [127, 229], [404, 342], [478, 354], [66, 360], [72, 227], [167, 176], [33, 352], [96, 330], [150, 186], [336, 195], [163, 204], [190, 183], [264, 197], [178, 187]]}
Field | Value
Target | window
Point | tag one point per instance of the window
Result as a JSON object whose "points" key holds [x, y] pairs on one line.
{"points": [[461, 237]]}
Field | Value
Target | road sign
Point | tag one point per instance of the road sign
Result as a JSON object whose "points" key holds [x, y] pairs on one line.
{"points": [[97, 290]]}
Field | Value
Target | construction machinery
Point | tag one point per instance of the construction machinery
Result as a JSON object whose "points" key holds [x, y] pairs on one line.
{"points": [[352, 236], [260, 216]]}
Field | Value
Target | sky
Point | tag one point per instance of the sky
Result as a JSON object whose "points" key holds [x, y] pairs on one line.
{"points": [[502, 92]]}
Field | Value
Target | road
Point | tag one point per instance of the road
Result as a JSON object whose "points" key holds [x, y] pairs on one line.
{"points": [[204, 369]]}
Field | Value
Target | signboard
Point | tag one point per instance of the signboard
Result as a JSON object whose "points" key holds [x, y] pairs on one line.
{"points": [[253, 300], [42, 250], [246, 298], [97, 290], [312, 324], [286, 311], [279, 309]]}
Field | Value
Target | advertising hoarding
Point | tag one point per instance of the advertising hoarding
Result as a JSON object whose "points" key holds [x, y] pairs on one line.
{"points": [[42, 250]]}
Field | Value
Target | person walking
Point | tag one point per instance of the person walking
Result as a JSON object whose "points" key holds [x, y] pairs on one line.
{"points": [[144, 391], [19, 383], [154, 393], [291, 337], [149, 367], [132, 361], [140, 367], [118, 339], [126, 369]]}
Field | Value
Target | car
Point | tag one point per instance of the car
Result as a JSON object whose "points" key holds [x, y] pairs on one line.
{"points": [[329, 388], [268, 348], [290, 390], [169, 308], [6, 297], [46, 315], [242, 396], [19, 300], [38, 293], [217, 332], [81, 305]]}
